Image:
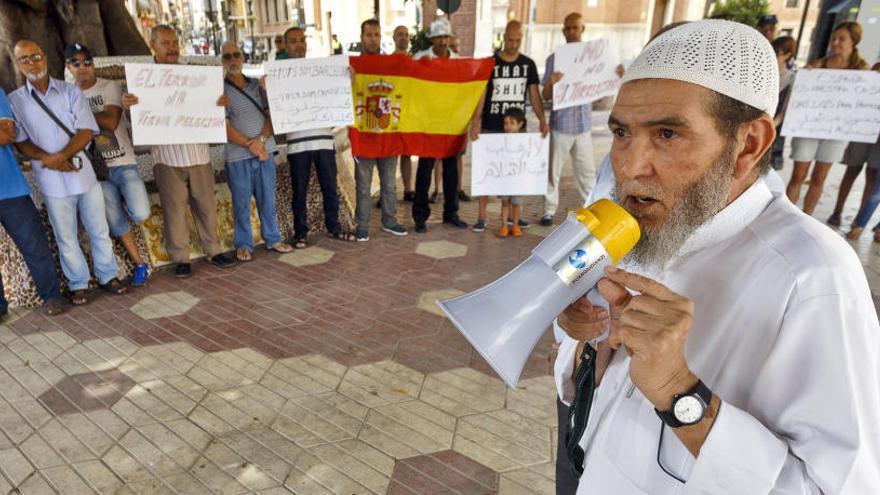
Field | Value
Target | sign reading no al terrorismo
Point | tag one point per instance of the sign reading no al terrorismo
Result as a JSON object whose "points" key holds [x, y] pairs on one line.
{"points": [[589, 72], [177, 104], [309, 93]]}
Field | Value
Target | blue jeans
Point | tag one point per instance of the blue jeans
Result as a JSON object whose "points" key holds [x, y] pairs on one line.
{"points": [[22, 222], [62, 216], [248, 178], [325, 168], [870, 207], [125, 183]]}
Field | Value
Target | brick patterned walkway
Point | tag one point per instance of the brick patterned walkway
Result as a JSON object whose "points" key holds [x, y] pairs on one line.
{"points": [[326, 370]]}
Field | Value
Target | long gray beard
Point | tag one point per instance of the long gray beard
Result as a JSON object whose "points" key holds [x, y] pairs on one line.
{"points": [[699, 203]]}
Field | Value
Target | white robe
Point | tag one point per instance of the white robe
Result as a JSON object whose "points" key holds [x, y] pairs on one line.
{"points": [[786, 334]]}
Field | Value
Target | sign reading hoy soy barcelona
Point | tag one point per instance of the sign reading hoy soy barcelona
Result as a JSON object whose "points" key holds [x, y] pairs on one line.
{"points": [[177, 104]]}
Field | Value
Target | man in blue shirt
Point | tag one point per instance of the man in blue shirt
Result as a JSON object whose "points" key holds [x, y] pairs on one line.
{"points": [[570, 131], [19, 217], [64, 173]]}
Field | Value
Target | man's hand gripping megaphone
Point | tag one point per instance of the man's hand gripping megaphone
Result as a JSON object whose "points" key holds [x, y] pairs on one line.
{"points": [[649, 320]]}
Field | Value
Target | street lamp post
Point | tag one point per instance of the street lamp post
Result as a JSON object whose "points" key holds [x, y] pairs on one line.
{"points": [[251, 17], [212, 18]]}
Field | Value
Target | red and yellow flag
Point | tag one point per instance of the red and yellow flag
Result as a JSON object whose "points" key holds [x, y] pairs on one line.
{"points": [[414, 107]]}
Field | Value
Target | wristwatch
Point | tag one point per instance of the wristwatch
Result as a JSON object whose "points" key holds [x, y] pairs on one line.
{"points": [[688, 408], [263, 139]]}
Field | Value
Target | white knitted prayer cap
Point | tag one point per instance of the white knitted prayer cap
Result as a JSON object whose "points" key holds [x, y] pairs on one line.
{"points": [[728, 57]]}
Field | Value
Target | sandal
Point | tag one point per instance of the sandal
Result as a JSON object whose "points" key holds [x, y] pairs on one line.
{"points": [[855, 233], [299, 243], [834, 220], [342, 236], [114, 286], [280, 247], [79, 297], [243, 255]]}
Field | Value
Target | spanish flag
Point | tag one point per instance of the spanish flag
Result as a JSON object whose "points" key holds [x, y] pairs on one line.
{"points": [[414, 107]]}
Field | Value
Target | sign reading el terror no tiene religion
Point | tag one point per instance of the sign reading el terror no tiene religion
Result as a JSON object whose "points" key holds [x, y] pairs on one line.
{"points": [[177, 104]]}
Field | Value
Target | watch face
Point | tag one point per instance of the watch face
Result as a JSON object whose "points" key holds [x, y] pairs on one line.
{"points": [[688, 409]]}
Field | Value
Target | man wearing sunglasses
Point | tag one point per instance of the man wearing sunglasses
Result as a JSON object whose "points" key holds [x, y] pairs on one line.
{"points": [[250, 157], [185, 177], [123, 182], [55, 125]]}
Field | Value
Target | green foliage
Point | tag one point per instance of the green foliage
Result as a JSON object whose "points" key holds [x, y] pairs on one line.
{"points": [[745, 11], [419, 41]]}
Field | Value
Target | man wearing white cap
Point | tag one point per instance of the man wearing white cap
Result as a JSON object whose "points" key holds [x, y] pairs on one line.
{"points": [[440, 34], [743, 356]]}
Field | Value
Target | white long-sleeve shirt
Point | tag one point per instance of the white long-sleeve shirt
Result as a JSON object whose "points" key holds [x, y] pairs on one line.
{"points": [[786, 334]]}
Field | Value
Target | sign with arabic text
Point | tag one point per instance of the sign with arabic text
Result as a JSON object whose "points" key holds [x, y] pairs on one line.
{"points": [[510, 164]]}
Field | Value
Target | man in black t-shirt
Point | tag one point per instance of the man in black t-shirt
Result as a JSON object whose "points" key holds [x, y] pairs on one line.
{"points": [[514, 78]]}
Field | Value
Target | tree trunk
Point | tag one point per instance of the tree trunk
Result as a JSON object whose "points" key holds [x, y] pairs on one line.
{"points": [[105, 26]]}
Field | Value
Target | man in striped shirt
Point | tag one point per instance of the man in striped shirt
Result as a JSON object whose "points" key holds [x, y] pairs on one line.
{"points": [[303, 149], [184, 175]]}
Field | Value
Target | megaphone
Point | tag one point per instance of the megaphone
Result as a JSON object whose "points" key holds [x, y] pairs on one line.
{"points": [[505, 319]]}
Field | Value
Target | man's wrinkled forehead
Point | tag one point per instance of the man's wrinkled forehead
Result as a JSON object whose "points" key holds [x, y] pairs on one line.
{"points": [[654, 102], [24, 48]]}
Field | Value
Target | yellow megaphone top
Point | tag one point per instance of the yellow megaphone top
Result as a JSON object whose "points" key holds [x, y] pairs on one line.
{"points": [[612, 225]]}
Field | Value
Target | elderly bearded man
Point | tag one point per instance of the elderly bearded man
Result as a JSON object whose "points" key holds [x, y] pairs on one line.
{"points": [[743, 347]]}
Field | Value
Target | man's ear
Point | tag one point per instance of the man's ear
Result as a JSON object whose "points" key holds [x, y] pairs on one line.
{"points": [[755, 139]]}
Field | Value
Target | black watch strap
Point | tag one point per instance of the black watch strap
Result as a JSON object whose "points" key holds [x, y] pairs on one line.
{"points": [[700, 390]]}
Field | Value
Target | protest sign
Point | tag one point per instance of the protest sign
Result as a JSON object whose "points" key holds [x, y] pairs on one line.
{"points": [[509, 165], [588, 72], [834, 104], [177, 104], [309, 93]]}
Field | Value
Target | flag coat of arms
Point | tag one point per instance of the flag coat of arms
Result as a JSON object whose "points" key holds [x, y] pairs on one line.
{"points": [[414, 107]]}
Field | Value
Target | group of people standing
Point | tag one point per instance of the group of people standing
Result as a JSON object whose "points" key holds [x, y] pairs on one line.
{"points": [[815, 157]]}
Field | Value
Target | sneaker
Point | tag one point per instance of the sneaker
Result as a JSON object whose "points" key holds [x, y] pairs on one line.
{"points": [[547, 220], [421, 228], [183, 270], [462, 196], [222, 261], [409, 196], [521, 223], [362, 235], [456, 222], [503, 231], [141, 275], [479, 226], [516, 231], [395, 230]]}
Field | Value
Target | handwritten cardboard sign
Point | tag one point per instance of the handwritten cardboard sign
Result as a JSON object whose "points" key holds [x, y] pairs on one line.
{"points": [[510, 165], [834, 104], [588, 70], [177, 104], [309, 93]]}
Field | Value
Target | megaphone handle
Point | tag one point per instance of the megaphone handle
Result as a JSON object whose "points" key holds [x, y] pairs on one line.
{"points": [[596, 299]]}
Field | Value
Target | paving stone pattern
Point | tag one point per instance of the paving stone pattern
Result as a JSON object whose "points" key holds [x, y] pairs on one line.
{"points": [[326, 370]]}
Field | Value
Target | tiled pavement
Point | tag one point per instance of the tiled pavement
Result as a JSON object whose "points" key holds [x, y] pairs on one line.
{"points": [[326, 370]]}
